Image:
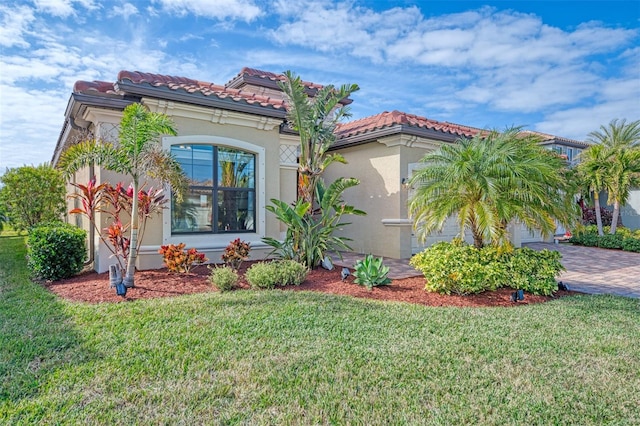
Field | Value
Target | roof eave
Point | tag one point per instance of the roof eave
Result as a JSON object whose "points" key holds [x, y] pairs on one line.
{"points": [[207, 101], [373, 135]]}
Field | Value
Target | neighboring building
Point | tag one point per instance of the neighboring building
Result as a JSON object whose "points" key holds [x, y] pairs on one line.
{"points": [[235, 145], [569, 148]]}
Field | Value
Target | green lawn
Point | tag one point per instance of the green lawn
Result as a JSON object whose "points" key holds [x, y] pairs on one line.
{"points": [[276, 357]]}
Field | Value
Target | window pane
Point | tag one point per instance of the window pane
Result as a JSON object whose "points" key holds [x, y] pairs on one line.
{"points": [[194, 213], [235, 211], [235, 169], [196, 161]]}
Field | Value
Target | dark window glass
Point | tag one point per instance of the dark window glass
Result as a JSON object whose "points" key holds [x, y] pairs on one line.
{"points": [[221, 195]]}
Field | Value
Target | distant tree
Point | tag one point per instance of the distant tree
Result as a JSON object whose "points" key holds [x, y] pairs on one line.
{"points": [[593, 170], [32, 195], [489, 181], [138, 155], [621, 144]]}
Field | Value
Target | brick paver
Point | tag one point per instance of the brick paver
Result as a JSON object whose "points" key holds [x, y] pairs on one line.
{"points": [[597, 271]]}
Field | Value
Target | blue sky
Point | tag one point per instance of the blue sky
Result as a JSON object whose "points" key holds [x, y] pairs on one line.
{"points": [[560, 67]]}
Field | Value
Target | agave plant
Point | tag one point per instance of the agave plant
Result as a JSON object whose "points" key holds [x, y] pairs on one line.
{"points": [[371, 272]]}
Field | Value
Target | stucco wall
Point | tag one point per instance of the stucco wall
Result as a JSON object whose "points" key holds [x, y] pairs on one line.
{"points": [[380, 166], [256, 134]]}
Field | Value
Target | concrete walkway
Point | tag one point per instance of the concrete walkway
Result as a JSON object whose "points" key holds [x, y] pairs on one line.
{"points": [[589, 270]]}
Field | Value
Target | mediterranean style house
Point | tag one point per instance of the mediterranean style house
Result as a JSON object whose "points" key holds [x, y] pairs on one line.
{"points": [[238, 151]]}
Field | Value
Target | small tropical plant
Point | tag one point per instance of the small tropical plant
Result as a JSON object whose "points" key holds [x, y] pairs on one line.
{"points": [[235, 253], [371, 272], [309, 237], [224, 278], [180, 260], [114, 201]]}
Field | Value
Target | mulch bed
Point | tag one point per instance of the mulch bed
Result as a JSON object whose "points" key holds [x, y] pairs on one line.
{"points": [[92, 287]]}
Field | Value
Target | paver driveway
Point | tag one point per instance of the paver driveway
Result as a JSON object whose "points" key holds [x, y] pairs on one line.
{"points": [[597, 271]]}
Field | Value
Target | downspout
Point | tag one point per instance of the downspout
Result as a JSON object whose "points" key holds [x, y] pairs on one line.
{"points": [[92, 233]]}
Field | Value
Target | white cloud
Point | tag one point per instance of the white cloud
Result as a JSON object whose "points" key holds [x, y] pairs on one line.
{"points": [[35, 116], [245, 10], [507, 60], [63, 8], [14, 24], [125, 10], [616, 98]]}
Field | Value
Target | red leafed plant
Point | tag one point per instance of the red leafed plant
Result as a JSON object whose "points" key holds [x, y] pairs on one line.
{"points": [[236, 252], [180, 260], [113, 201]]}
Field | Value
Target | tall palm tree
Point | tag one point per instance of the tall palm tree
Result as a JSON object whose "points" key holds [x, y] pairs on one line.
{"points": [[489, 181], [315, 119], [621, 140], [593, 170], [624, 175], [138, 155]]}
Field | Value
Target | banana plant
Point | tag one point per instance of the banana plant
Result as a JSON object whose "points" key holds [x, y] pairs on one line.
{"points": [[310, 236]]}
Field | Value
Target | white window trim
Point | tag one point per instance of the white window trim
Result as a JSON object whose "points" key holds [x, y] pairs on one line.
{"points": [[213, 241]]}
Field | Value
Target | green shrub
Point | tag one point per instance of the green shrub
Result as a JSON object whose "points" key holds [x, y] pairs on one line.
{"points": [[631, 244], [224, 278], [56, 250], [463, 269], [271, 274], [611, 241], [459, 268], [371, 272], [534, 271]]}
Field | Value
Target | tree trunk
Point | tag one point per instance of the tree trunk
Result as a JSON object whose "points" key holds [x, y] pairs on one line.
{"points": [[614, 218], [133, 241], [596, 203]]}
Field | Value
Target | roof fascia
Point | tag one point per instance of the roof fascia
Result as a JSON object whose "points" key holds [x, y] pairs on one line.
{"points": [[373, 135], [212, 102]]}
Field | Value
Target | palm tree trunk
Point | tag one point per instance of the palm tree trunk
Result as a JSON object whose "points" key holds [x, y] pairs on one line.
{"points": [[596, 203], [133, 241], [614, 218]]}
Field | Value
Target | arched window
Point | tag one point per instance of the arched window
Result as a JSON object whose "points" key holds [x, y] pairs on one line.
{"points": [[222, 190]]}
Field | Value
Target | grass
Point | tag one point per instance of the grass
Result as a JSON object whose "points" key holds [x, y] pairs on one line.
{"points": [[275, 357]]}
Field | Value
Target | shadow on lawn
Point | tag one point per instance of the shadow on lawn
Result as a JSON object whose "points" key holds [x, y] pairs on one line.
{"points": [[37, 336]]}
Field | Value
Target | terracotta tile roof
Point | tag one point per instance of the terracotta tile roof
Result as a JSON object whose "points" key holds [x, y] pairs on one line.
{"points": [[203, 88], [94, 86], [396, 118], [552, 138], [239, 79]]}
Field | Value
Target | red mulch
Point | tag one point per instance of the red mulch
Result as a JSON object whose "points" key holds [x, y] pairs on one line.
{"points": [[94, 288]]}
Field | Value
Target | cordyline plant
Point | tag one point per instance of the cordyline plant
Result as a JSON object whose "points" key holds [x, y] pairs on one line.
{"points": [[137, 155], [114, 200]]}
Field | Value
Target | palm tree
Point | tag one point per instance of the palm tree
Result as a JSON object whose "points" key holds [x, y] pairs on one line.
{"points": [[138, 155], [593, 170], [315, 120], [617, 134], [621, 142], [489, 181], [624, 175]]}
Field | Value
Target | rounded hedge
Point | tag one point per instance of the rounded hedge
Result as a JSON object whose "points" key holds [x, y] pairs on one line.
{"points": [[56, 250]]}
